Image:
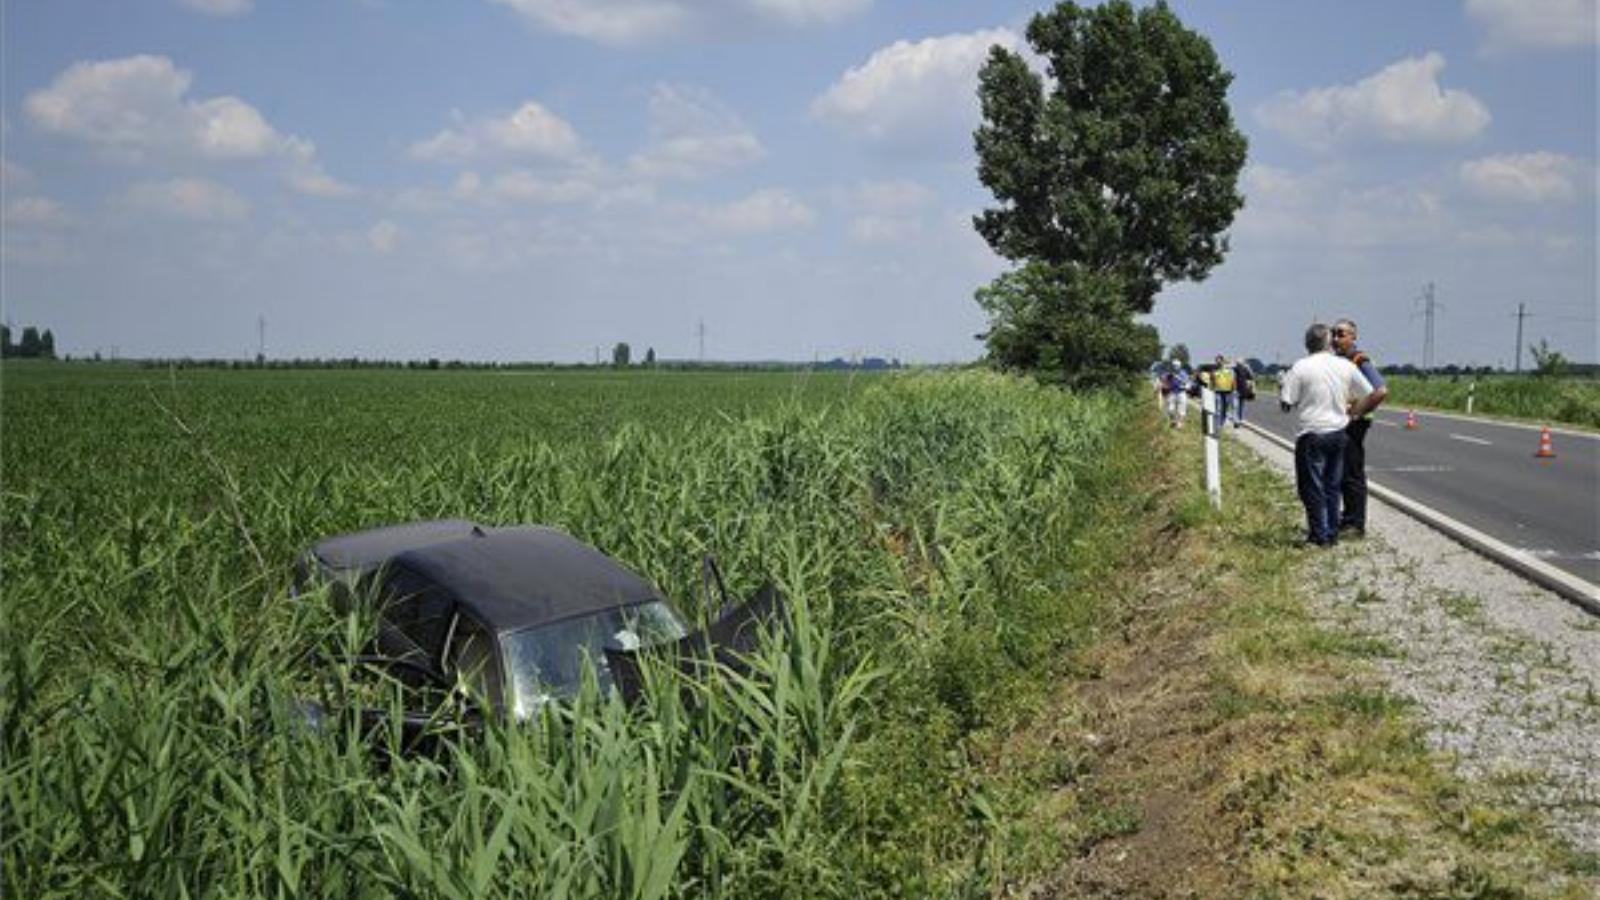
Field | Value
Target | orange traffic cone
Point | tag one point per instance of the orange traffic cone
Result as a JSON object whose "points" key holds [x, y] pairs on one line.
{"points": [[1545, 451], [1411, 419]]}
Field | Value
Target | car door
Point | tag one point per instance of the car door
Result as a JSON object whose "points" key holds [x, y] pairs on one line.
{"points": [[415, 620], [472, 659]]}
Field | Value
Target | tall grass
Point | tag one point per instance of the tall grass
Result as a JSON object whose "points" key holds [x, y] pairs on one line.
{"points": [[925, 530], [1575, 401]]}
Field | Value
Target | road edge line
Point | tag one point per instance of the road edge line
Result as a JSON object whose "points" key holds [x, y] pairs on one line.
{"points": [[1580, 592]]}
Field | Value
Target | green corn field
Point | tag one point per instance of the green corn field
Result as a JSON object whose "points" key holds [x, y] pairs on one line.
{"points": [[1574, 401], [927, 529]]}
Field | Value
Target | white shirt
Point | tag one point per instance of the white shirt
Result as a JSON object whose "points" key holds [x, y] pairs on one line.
{"points": [[1321, 386]]}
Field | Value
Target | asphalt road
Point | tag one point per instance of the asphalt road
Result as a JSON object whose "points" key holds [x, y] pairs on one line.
{"points": [[1485, 475]]}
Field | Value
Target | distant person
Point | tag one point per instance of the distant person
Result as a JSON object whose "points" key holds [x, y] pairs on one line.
{"points": [[1327, 390], [1175, 393], [1222, 384], [1354, 487], [1244, 388]]}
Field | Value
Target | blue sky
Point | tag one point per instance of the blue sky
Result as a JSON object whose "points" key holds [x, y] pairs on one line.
{"points": [[533, 179]]}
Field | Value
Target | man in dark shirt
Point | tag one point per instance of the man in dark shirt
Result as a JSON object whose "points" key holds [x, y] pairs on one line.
{"points": [[1354, 488]]}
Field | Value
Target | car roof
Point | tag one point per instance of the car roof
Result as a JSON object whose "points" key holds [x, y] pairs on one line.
{"points": [[510, 578], [364, 551]]}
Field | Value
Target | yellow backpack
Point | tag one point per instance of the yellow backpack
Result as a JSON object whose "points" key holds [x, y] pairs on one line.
{"points": [[1222, 380]]}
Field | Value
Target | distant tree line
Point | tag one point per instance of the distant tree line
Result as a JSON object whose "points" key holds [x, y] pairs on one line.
{"points": [[35, 344], [188, 362]]}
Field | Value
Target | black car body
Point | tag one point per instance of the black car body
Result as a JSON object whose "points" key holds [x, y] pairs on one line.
{"points": [[516, 614]]}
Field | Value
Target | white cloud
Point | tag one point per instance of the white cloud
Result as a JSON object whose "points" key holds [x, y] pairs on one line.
{"points": [[1527, 177], [220, 7], [873, 229], [139, 107], [529, 130], [1536, 23], [187, 198], [886, 211], [1402, 103], [514, 186], [383, 236], [692, 133], [310, 179], [522, 185], [1326, 208], [900, 196], [628, 22], [34, 212], [912, 92], [765, 210]]}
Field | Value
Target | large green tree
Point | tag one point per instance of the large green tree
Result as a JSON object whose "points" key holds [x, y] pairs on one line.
{"points": [[1115, 174]]}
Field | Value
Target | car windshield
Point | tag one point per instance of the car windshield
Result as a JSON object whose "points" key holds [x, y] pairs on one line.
{"points": [[547, 662]]}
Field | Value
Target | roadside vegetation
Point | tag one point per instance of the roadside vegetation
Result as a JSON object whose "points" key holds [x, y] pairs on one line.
{"points": [[936, 536], [1538, 399], [1236, 744]]}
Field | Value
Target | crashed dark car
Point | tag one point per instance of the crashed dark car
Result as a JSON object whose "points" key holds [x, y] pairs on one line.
{"points": [[516, 615]]}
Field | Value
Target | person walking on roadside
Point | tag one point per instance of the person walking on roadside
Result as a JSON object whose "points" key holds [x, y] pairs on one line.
{"points": [[1222, 384], [1326, 390], [1244, 388], [1175, 393], [1353, 489]]}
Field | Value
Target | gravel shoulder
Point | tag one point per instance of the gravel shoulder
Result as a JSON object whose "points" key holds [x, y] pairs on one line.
{"points": [[1504, 675]]}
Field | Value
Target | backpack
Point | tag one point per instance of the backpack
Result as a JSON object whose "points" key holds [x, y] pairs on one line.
{"points": [[1247, 382], [1222, 380]]}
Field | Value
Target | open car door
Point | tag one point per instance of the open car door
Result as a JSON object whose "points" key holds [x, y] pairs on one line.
{"points": [[728, 640]]}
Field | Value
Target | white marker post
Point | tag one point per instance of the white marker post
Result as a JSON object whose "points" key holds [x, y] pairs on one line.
{"points": [[1208, 417], [1472, 387]]}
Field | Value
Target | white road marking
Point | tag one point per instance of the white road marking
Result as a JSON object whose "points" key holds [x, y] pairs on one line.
{"points": [[1387, 424], [1547, 553], [1471, 440], [1418, 469]]}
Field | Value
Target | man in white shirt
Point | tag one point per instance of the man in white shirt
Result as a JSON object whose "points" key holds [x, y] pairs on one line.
{"points": [[1327, 390]]}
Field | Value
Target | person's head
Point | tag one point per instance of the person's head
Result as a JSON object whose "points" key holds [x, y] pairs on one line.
{"points": [[1316, 338], [1344, 335], [1221, 361]]}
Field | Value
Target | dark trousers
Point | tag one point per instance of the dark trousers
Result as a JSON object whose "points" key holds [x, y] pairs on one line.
{"points": [[1354, 486], [1224, 401], [1318, 476]]}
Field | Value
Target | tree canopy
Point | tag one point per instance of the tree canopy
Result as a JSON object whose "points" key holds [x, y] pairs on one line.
{"points": [[34, 344], [1117, 176]]}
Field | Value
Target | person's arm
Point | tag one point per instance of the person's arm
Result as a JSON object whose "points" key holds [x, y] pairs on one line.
{"points": [[1362, 391], [1288, 394], [1380, 390]]}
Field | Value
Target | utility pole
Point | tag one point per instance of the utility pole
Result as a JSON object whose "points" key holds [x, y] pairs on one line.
{"points": [[261, 338], [701, 333], [1427, 344], [1521, 314], [1428, 308]]}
